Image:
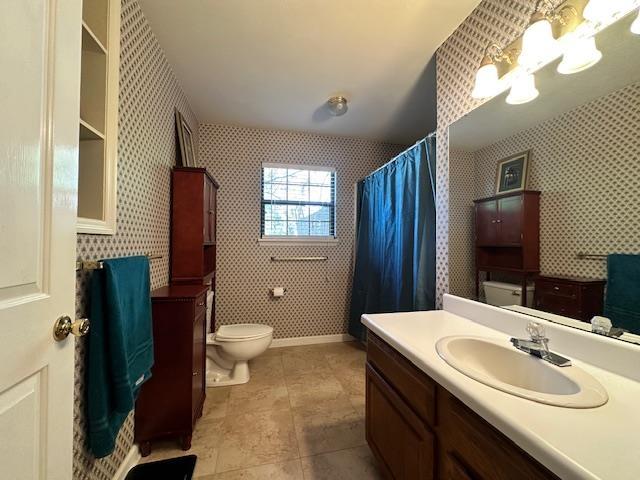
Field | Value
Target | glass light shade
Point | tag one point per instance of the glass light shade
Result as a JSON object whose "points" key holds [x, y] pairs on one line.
{"points": [[538, 44], [337, 106], [603, 11], [486, 82], [579, 54], [635, 26], [523, 89]]}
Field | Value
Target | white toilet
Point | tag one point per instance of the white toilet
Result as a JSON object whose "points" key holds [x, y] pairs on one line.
{"points": [[230, 349], [503, 294]]}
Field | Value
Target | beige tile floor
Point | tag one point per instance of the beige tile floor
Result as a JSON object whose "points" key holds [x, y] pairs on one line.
{"points": [[301, 416]]}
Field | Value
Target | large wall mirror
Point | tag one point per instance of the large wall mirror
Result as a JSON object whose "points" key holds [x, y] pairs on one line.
{"points": [[545, 196]]}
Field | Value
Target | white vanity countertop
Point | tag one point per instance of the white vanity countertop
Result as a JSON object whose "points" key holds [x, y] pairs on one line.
{"points": [[598, 443]]}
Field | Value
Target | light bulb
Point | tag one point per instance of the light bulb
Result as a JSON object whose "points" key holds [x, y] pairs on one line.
{"points": [[538, 44], [523, 89], [579, 54], [635, 26], [604, 11], [486, 81]]}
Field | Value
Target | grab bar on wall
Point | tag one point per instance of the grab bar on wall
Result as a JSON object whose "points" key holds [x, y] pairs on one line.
{"points": [[97, 264], [590, 256], [299, 259]]}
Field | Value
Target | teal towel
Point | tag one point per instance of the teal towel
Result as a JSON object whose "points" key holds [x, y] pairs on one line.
{"points": [[622, 303], [120, 347]]}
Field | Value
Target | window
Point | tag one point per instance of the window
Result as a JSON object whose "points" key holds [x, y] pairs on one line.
{"points": [[298, 201]]}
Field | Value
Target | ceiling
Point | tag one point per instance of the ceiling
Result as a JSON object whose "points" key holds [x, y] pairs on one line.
{"points": [[274, 63]]}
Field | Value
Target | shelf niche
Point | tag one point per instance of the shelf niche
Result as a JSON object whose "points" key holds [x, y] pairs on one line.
{"points": [[98, 123]]}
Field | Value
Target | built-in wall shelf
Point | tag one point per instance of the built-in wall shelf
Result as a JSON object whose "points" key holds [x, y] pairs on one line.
{"points": [[98, 123], [90, 41], [87, 132]]}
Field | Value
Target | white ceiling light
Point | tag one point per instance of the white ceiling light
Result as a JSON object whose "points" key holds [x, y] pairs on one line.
{"points": [[579, 54], [523, 89], [635, 26], [604, 11], [538, 43], [487, 77], [486, 80], [337, 105]]}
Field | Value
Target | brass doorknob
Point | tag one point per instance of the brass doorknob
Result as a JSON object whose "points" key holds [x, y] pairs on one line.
{"points": [[64, 326]]}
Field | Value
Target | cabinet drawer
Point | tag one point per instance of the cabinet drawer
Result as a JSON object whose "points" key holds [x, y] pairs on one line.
{"points": [[485, 452], [417, 390], [558, 304], [557, 288]]}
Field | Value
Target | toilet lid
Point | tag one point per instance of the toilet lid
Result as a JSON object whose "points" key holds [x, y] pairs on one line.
{"points": [[243, 331]]}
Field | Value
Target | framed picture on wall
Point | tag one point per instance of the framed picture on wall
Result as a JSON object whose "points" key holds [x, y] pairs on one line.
{"points": [[185, 142], [512, 173]]}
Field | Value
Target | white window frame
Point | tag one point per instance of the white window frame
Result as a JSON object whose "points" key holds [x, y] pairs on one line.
{"points": [[300, 240]]}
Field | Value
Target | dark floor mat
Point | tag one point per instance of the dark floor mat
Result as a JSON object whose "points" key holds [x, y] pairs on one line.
{"points": [[180, 468]]}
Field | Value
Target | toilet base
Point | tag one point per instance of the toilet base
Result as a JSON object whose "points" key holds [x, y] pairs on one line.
{"points": [[218, 376]]}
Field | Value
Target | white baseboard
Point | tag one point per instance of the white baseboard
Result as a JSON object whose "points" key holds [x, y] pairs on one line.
{"points": [[296, 341], [130, 461]]}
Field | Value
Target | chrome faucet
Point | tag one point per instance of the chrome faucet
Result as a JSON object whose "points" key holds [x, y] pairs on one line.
{"points": [[538, 345]]}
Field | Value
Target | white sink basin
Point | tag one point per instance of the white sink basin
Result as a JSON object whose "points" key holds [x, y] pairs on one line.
{"points": [[501, 366]]}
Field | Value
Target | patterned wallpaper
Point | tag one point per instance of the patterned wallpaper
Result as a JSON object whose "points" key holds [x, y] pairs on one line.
{"points": [[585, 162], [149, 92], [457, 60], [318, 293], [461, 196]]}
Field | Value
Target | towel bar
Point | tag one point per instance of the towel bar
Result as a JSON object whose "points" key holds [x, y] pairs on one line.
{"points": [[97, 264], [299, 259], [590, 256]]}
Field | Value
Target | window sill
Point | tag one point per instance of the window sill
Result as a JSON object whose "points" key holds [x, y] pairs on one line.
{"points": [[288, 241]]}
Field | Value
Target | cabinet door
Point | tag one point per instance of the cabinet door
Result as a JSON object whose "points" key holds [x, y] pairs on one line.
{"points": [[198, 370], [206, 224], [487, 223], [510, 210], [213, 193], [399, 439], [452, 469]]}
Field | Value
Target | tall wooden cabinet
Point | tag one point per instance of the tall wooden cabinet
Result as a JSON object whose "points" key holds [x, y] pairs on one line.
{"points": [[193, 226], [171, 401], [507, 236]]}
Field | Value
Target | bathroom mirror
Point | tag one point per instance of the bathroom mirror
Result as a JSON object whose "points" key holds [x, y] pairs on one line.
{"points": [[578, 145]]}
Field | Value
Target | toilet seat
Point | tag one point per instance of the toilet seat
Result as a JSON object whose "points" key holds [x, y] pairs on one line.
{"points": [[241, 332]]}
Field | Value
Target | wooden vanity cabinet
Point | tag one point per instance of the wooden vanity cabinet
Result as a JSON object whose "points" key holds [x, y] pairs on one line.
{"points": [[171, 401], [417, 430]]}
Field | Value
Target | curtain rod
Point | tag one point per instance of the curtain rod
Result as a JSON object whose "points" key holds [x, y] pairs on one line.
{"points": [[432, 134]]}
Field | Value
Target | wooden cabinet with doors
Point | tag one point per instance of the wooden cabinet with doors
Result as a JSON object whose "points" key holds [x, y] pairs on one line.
{"points": [[507, 236], [417, 430], [171, 401], [193, 225]]}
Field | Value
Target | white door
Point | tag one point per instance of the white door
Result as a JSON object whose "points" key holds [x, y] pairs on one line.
{"points": [[39, 110]]}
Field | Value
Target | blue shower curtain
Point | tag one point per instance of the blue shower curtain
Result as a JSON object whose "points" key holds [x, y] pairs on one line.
{"points": [[395, 244]]}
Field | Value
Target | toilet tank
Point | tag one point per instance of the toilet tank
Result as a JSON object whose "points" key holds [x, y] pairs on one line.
{"points": [[503, 294]]}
